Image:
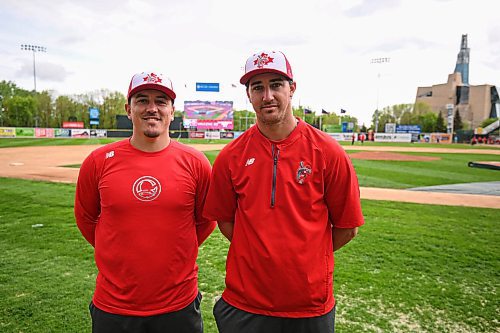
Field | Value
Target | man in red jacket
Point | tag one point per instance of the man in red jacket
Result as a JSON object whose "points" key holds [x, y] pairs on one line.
{"points": [[286, 195], [139, 203]]}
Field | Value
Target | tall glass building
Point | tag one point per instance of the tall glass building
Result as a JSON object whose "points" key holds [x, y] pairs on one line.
{"points": [[462, 65]]}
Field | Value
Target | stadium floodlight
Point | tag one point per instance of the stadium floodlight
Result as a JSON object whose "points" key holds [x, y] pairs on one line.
{"points": [[34, 49], [378, 61]]}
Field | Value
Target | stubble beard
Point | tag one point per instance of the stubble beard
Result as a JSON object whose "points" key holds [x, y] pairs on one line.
{"points": [[275, 118], [151, 134]]}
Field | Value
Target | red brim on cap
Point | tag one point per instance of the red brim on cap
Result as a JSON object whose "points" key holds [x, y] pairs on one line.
{"points": [[245, 78], [152, 86]]}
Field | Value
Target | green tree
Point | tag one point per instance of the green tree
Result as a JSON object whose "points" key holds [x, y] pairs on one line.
{"points": [[440, 125], [427, 122], [44, 109], [65, 107], [242, 120], [457, 121], [19, 111], [9, 89], [112, 105]]}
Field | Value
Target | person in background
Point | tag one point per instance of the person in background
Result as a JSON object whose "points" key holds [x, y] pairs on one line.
{"points": [[139, 203], [286, 196]]}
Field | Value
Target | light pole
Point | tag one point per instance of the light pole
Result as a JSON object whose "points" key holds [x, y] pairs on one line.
{"points": [[378, 61], [34, 49]]}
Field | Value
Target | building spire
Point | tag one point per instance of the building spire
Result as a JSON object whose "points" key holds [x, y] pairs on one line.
{"points": [[462, 65]]}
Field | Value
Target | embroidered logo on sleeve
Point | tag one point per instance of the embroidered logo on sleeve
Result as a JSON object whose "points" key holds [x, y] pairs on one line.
{"points": [[302, 173], [110, 154], [146, 188]]}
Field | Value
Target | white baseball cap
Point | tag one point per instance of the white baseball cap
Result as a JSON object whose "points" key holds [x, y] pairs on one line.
{"points": [[267, 62], [150, 80]]}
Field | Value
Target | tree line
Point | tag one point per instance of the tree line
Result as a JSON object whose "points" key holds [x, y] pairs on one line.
{"points": [[416, 114], [46, 109], [23, 108]]}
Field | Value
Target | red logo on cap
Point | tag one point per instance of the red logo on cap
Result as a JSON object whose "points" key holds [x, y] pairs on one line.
{"points": [[152, 78], [262, 60]]}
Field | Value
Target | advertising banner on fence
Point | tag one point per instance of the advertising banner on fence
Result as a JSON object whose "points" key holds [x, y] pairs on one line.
{"points": [[25, 132], [342, 136], [80, 133], [196, 135], [98, 133], [440, 138], [212, 135], [7, 132], [62, 133], [44, 132], [392, 137], [208, 115], [227, 135]]}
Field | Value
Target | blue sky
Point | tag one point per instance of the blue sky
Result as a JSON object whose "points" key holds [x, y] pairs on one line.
{"points": [[94, 45]]}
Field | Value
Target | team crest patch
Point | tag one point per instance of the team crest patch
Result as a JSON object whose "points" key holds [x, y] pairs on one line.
{"points": [[146, 188], [152, 78], [262, 60], [302, 172]]}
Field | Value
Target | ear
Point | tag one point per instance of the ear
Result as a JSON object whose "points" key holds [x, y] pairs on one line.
{"points": [[127, 109], [293, 87]]}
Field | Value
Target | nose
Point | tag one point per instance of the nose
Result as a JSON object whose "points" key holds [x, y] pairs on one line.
{"points": [[152, 106], [268, 95]]}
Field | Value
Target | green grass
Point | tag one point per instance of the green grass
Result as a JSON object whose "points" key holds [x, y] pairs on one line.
{"points": [[449, 169], [412, 268]]}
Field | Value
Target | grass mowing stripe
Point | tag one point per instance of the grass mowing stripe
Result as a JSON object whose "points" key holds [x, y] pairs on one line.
{"points": [[412, 267]]}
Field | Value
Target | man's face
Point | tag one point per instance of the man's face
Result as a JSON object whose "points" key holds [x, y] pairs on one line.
{"points": [[151, 112], [271, 97]]}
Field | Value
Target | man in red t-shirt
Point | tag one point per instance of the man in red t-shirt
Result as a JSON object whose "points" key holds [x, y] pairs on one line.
{"points": [[139, 203], [286, 195]]}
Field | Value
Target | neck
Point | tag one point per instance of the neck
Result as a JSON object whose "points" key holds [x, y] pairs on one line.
{"points": [[280, 131], [149, 145]]}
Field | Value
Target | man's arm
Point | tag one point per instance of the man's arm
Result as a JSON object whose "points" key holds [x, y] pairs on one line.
{"points": [[204, 230], [226, 228], [342, 236], [87, 201]]}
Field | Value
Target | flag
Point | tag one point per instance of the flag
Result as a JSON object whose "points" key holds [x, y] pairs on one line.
{"points": [[323, 111], [307, 111], [342, 111]]}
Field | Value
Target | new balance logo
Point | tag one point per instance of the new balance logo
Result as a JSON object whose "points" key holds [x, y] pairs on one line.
{"points": [[250, 161], [110, 154]]}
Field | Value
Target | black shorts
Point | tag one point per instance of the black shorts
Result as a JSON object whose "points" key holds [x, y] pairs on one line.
{"points": [[187, 320], [230, 319]]}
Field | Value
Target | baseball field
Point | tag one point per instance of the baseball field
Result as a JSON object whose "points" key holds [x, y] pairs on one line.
{"points": [[423, 262]]}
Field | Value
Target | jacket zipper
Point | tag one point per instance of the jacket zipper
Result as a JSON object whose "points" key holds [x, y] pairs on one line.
{"points": [[276, 154]]}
